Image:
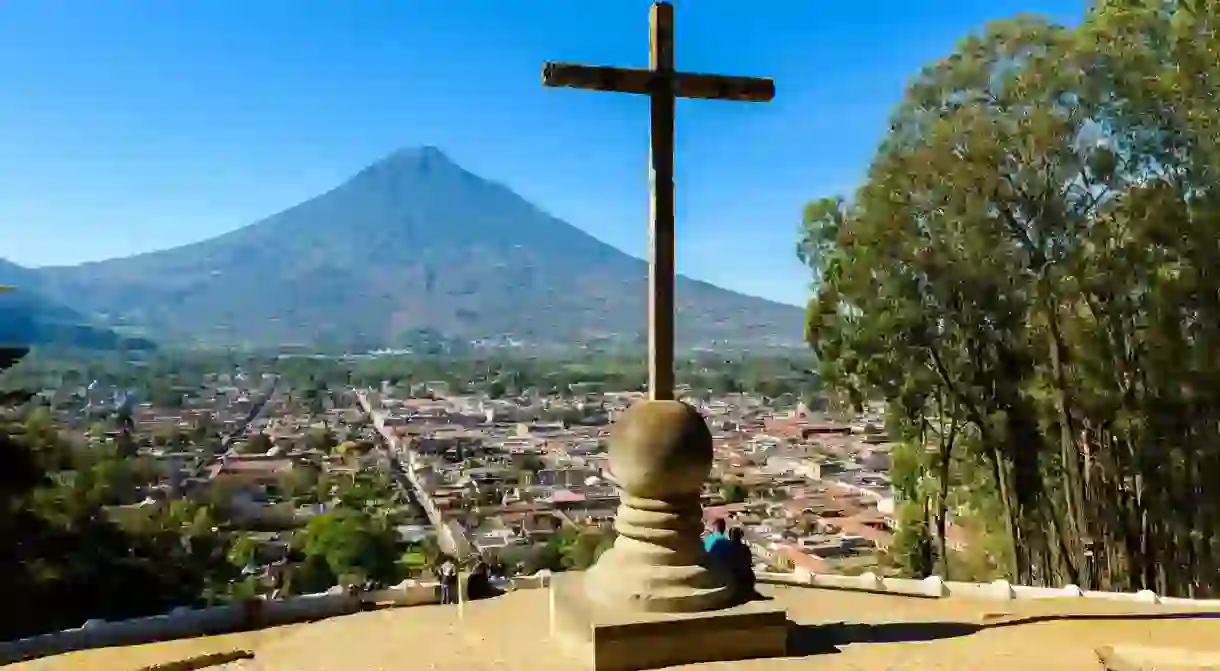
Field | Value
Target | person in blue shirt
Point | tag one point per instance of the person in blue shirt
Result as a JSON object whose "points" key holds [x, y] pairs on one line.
{"points": [[716, 543], [729, 552]]}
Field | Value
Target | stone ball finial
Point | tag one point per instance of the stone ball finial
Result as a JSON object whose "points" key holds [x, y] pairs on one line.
{"points": [[661, 450]]}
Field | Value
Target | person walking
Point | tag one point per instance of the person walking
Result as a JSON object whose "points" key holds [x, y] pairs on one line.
{"points": [[478, 585]]}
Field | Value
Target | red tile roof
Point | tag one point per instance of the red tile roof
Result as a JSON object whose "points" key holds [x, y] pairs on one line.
{"points": [[566, 496], [803, 560], [857, 527]]}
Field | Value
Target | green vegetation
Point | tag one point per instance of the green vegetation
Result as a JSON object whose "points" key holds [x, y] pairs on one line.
{"points": [[66, 560], [569, 549], [734, 492], [1028, 277], [707, 375], [164, 379], [75, 547], [71, 494]]}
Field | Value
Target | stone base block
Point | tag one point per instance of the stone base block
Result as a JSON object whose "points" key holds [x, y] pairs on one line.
{"points": [[619, 639]]}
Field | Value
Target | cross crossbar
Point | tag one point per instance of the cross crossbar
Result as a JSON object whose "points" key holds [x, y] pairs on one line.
{"points": [[663, 85], [644, 81]]}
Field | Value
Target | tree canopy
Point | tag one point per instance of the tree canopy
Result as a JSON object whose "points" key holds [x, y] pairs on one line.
{"points": [[1027, 276], [73, 550]]}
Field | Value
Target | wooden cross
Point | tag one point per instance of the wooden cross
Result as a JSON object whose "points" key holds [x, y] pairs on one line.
{"points": [[663, 85]]}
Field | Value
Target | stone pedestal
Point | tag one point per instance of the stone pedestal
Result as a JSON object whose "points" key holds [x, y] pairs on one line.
{"points": [[653, 599], [610, 638]]}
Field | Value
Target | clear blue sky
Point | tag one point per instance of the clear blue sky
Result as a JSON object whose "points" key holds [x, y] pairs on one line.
{"points": [[133, 125]]}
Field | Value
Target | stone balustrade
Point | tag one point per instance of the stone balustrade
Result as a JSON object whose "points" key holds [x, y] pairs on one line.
{"points": [[935, 587], [191, 622]]}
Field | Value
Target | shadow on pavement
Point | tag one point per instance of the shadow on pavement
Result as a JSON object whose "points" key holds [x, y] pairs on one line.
{"points": [[817, 639]]}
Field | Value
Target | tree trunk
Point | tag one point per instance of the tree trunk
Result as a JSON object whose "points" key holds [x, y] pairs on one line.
{"points": [[1069, 452], [947, 439]]}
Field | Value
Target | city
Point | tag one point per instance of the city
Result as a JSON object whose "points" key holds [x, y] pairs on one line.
{"points": [[282, 479], [505, 479]]}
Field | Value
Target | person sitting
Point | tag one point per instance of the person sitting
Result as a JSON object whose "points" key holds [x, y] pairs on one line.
{"points": [[741, 564], [716, 543], [478, 585]]}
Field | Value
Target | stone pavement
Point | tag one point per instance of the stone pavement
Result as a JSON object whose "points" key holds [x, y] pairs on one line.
{"points": [[132, 657], [859, 631]]}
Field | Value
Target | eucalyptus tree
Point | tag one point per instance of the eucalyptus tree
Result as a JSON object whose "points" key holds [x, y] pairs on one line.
{"points": [[1027, 276]]}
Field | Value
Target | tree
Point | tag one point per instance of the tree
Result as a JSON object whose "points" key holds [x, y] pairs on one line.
{"points": [[203, 430], [431, 549], [169, 435], [531, 463], [321, 439], [259, 443], [73, 562], [302, 481], [496, 389], [578, 549], [353, 545], [1026, 272], [531, 559], [912, 548], [243, 551], [733, 492], [309, 576]]}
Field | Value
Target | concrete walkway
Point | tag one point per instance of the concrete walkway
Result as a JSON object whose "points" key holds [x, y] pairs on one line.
{"points": [[835, 630]]}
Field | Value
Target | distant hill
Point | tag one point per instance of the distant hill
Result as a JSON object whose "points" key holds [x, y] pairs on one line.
{"points": [[412, 244], [28, 319]]}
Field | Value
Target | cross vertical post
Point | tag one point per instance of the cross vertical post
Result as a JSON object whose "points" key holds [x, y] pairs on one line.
{"points": [[660, 450], [663, 85], [662, 101]]}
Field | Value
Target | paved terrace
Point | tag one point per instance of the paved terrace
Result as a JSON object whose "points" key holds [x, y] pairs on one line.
{"points": [[833, 629]]}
